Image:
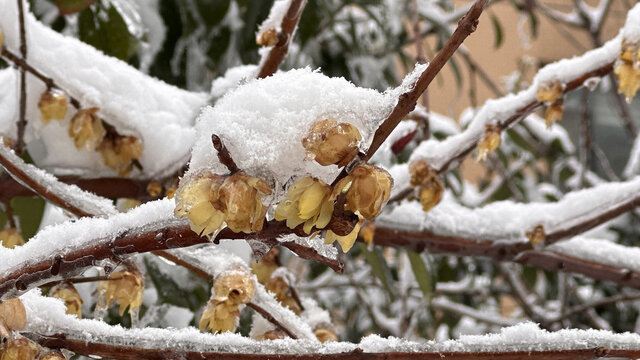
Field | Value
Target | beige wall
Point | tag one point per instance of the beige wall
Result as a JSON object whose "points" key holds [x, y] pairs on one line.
{"points": [[551, 44]]}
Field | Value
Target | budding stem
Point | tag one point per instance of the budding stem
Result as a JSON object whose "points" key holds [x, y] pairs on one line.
{"points": [[223, 154]]}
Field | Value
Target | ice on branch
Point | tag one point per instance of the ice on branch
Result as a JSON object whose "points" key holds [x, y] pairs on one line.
{"points": [[263, 123], [507, 220], [138, 105]]}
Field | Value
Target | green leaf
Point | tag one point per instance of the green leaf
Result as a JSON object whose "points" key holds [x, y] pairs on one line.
{"points": [[422, 274], [172, 293], [29, 211], [380, 268], [106, 30], [497, 31], [67, 7], [213, 11]]}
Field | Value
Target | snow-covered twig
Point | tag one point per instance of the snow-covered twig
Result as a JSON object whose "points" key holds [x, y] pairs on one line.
{"points": [[22, 120]]}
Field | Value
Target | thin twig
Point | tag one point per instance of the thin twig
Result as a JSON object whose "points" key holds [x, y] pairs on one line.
{"points": [[223, 154], [265, 314], [22, 121]]}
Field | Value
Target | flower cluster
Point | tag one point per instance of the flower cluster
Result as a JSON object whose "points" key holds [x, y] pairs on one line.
{"points": [[126, 287], [231, 289], [552, 95], [430, 187], [628, 70]]}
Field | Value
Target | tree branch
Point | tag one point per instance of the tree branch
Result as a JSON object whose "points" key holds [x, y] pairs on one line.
{"points": [[269, 65], [22, 121]]}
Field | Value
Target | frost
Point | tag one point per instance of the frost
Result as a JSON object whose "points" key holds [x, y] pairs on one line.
{"points": [[274, 20], [232, 78], [134, 103], [314, 242]]}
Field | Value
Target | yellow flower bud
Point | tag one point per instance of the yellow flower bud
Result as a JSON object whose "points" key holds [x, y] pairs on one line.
{"points": [[346, 242], [86, 129], [52, 355], [490, 142], [537, 235], [550, 92], [420, 172], [20, 349], [170, 192], [126, 287], [240, 198], [11, 238], [266, 266], [282, 292], [628, 79], [68, 293], [272, 335], [53, 105], [268, 38], [13, 315], [330, 142], [235, 286], [118, 152], [430, 193], [367, 233], [553, 113], [194, 199], [154, 188], [325, 334], [308, 201], [219, 316], [369, 188]]}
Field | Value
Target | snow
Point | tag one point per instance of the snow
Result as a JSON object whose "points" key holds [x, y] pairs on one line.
{"points": [[314, 242], [488, 222], [274, 20], [631, 31], [263, 122], [47, 316], [600, 251], [72, 235], [71, 194], [134, 103], [8, 102], [232, 78]]}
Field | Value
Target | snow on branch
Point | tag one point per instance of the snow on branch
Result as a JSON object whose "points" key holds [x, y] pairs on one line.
{"points": [[134, 103], [46, 321]]}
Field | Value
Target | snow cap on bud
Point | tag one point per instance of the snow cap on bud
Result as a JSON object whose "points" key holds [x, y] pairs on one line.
{"points": [[308, 201], [346, 242], [72, 299], [330, 142], [240, 197], [13, 315], [550, 92], [118, 152], [86, 129], [21, 349], [267, 38], [368, 188], [53, 105], [235, 286], [11, 238], [194, 199], [490, 142], [126, 287]]}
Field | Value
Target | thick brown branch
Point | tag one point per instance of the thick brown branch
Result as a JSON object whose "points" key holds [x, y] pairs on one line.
{"points": [[87, 348], [280, 49], [408, 100]]}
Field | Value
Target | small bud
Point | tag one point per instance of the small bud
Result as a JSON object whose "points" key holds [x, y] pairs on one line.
{"points": [[490, 142], [235, 287], [308, 201], [240, 197], [430, 193], [628, 71], [53, 105], [279, 286], [118, 152], [13, 315], [68, 293], [21, 349], [11, 238], [126, 204], [330, 142], [369, 188], [325, 334], [170, 192], [126, 287], [420, 172], [194, 199], [266, 266], [276, 334], [367, 233], [346, 242], [267, 38], [553, 113], [219, 316], [537, 235], [154, 188], [86, 129], [550, 92]]}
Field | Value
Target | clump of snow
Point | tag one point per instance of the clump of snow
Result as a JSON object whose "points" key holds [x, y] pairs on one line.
{"points": [[631, 30], [274, 20], [232, 78], [600, 251], [263, 122], [159, 114], [8, 102]]}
